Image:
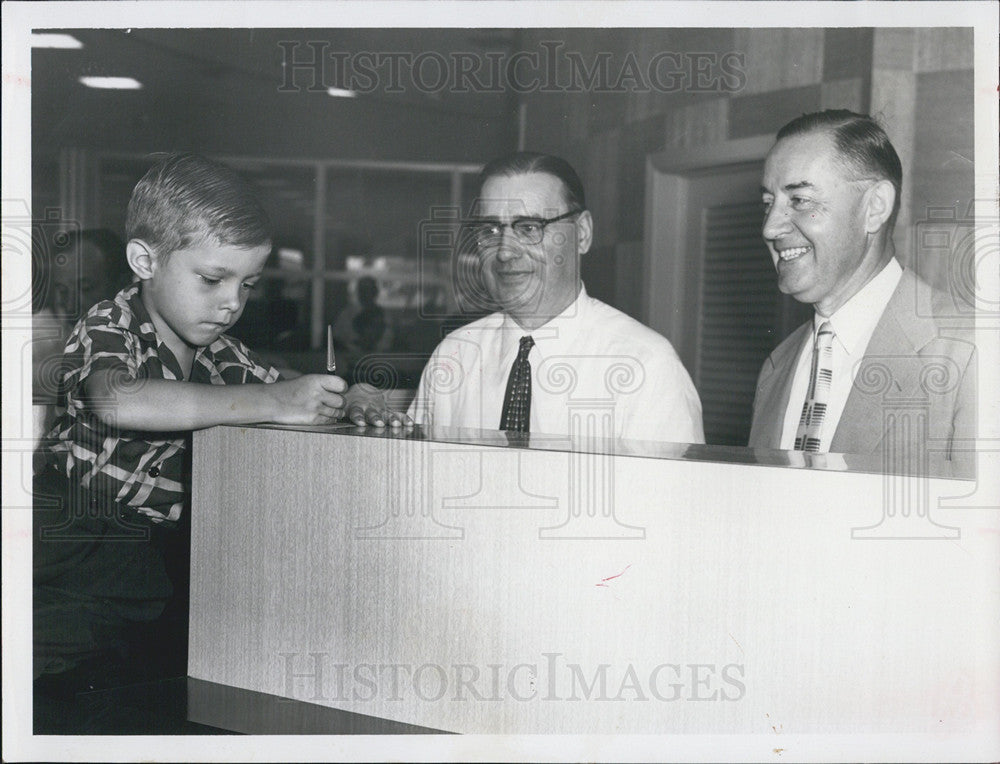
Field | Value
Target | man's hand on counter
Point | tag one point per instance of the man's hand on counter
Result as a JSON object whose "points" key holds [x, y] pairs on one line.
{"points": [[366, 404]]}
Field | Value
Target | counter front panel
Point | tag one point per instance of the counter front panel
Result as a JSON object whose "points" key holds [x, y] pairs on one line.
{"points": [[464, 583]]}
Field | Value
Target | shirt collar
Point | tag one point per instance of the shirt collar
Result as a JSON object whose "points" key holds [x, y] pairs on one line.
{"points": [[854, 322], [555, 333], [134, 316]]}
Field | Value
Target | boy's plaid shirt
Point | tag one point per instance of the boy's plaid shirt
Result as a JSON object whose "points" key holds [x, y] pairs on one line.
{"points": [[146, 470]]}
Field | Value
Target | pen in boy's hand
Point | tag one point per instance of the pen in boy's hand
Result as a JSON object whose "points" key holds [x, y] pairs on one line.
{"points": [[331, 359]]}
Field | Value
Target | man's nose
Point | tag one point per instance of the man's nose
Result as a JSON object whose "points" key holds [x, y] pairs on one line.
{"points": [[509, 247], [776, 222]]}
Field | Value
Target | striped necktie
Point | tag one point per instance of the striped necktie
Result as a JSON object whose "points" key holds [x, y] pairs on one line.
{"points": [[517, 400], [807, 437]]}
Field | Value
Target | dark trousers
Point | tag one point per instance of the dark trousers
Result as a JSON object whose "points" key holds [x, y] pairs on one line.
{"points": [[100, 569]]}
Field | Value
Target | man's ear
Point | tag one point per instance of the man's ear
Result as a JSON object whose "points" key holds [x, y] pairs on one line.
{"points": [[584, 232], [141, 258], [881, 198]]}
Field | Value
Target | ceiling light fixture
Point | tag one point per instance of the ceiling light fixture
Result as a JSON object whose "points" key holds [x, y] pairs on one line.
{"points": [[54, 40], [111, 83], [341, 93]]}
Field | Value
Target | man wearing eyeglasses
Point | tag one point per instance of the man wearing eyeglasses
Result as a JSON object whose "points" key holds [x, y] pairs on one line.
{"points": [[552, 360]]}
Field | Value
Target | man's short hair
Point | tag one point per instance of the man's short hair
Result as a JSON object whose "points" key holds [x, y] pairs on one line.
{"points": [[861, 142], [525, 162], [185, 198]]}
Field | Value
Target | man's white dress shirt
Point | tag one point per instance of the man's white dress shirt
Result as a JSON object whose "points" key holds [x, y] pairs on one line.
{"points": [[591, 365]]}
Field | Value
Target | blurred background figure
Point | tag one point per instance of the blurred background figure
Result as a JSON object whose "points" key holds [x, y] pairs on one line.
{"points": [[78, 270], [361, 328], [47, 336], [87, 268], [369, 325]]}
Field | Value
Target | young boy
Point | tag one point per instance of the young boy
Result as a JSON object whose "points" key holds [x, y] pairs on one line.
{"points": [[143, 370]]}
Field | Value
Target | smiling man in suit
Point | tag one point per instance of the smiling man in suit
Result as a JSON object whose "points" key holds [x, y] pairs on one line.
{"points": [[875, 371]]}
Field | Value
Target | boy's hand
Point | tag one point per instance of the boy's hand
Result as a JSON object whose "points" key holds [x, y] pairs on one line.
{"points": [[309, 399], [366, 404]]}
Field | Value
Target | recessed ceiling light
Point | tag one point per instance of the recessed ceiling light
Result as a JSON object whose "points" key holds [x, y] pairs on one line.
{"points": [[53, 40], [111, 83], [341, 93]]}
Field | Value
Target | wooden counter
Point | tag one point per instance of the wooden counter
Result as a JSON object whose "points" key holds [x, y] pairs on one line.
{"points": [[465, 582]]}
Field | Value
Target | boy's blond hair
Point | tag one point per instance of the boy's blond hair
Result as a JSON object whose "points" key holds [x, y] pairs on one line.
{"points": [[186, 198]]}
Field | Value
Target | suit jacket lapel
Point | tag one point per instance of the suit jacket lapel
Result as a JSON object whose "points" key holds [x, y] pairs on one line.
{"points": [[898, 337], [775, 389]]}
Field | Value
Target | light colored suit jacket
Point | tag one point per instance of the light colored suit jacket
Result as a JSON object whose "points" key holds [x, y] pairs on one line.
{"points": [[914, 396]]}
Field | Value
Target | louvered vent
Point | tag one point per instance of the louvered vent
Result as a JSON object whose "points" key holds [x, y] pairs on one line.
{"points": [[740, 319]]}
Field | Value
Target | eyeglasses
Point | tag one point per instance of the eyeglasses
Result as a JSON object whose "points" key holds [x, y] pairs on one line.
{"points": [[487, 233]]}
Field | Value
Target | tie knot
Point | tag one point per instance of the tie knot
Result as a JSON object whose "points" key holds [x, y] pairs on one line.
{"points": [[527, 342], [824, 337]]}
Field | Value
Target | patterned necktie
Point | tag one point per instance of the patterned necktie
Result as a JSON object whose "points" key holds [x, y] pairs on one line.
{"points": [[814, 409], [517, 401]]}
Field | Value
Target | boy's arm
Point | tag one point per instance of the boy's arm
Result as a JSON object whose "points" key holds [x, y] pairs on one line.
{"points": [[168, 405]]}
